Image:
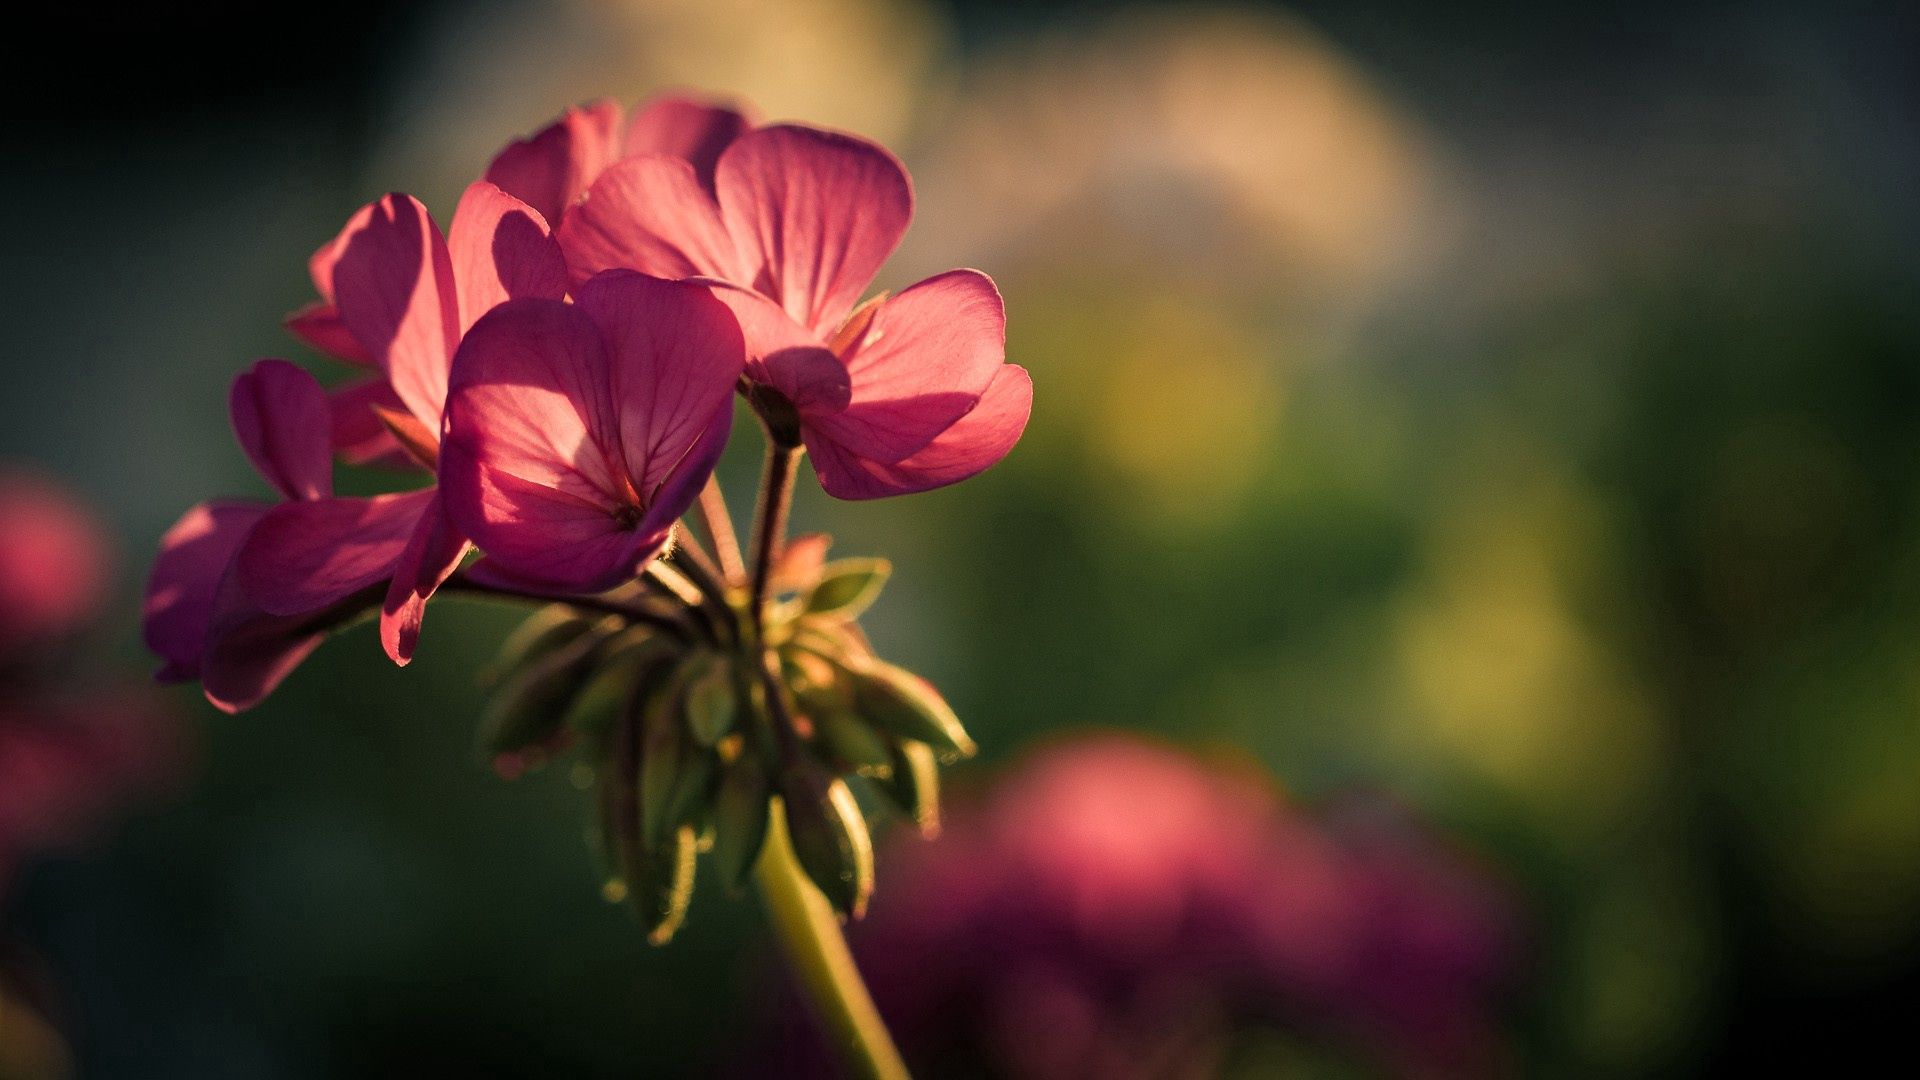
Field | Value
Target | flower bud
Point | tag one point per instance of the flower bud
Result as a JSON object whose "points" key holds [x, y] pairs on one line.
{"points": [[914, 785], [899, 702], [528, 709], [829, 835], [740, 819], [712, 705]]}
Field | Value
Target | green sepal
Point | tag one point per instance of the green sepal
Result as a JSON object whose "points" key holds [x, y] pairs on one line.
{"points": [[847, 587], [667, 885]]}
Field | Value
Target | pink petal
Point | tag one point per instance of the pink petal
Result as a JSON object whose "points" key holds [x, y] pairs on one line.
{"points": [[921, 363], [550, 170], [394, 285], [359, 436], [649, 214], [318, 326], [978, 441], [785, 355], [249, 651], [685, 128], [522, 469], [281, 418], [815, 214], [564, 419], [501, 249], [675, 354], [304, 556], [432, 555], [194, 556]]}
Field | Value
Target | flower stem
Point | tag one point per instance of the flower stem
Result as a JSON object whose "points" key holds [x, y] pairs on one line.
{"points": [[770, 522], [810, 935], [719, 524]]}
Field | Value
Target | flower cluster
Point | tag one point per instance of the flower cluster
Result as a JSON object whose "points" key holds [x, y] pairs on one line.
{"points": [[562, 362], [1117, 909]]}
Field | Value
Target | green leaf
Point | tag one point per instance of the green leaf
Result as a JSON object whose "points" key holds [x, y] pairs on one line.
{"points": [[848, 587], [897, 701], [740, 819]]}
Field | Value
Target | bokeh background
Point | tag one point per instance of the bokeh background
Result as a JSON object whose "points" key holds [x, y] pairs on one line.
{"points": [[1508, 411]]}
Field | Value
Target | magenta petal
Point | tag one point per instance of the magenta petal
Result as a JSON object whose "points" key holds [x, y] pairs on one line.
{"points": [[785, 355], [550, 170], [250, 652], [815, 214], [685, 128], [920, 364], [501, 249], [432, 555], [318, 326], [649, 214], [281, 418], [304, 556], [675, 354], [564, 421], [194, 556], [394, 286], [359, 436], [977, 442]]}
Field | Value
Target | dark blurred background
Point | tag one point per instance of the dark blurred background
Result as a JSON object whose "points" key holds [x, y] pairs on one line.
{"points": [[1509, 408]]}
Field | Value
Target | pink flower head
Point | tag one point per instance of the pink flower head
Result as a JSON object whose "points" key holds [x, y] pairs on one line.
{"points": [[901, 394], [53, 561], [402, 295], [578, 433], [201, 615], [553, 168]]}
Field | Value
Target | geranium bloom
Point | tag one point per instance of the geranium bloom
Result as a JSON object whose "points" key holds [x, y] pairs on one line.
{"points": [[578, 433], [201, 619], [553, 168], [66, 753], [53, 561], [902, 394], [399, 295], [1114, 909]]}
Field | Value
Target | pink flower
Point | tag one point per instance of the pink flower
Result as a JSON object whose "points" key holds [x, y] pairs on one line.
{"points": [[53, 561], [578, 433], [902, 394], [201, 617], [398, 295], [1115, 908], [552, 169]]}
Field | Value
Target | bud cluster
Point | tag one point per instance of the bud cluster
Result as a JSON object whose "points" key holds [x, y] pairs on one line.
{"points": [[694, 726]]}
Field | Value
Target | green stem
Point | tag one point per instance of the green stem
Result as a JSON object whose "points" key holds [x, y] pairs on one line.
{"points": [[810, 935], [770, 522]]}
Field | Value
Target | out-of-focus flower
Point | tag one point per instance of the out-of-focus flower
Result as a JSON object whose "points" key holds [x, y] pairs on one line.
{"points": [[1116, 909], [68, 756], [578, 433], [53, 561], [901, 394]]}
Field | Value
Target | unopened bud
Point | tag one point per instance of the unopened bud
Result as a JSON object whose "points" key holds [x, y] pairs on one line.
{"points": [[829, 835], [904, 704]]}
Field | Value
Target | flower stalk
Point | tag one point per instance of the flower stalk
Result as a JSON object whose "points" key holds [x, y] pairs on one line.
{"points": [[809, 934]]}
